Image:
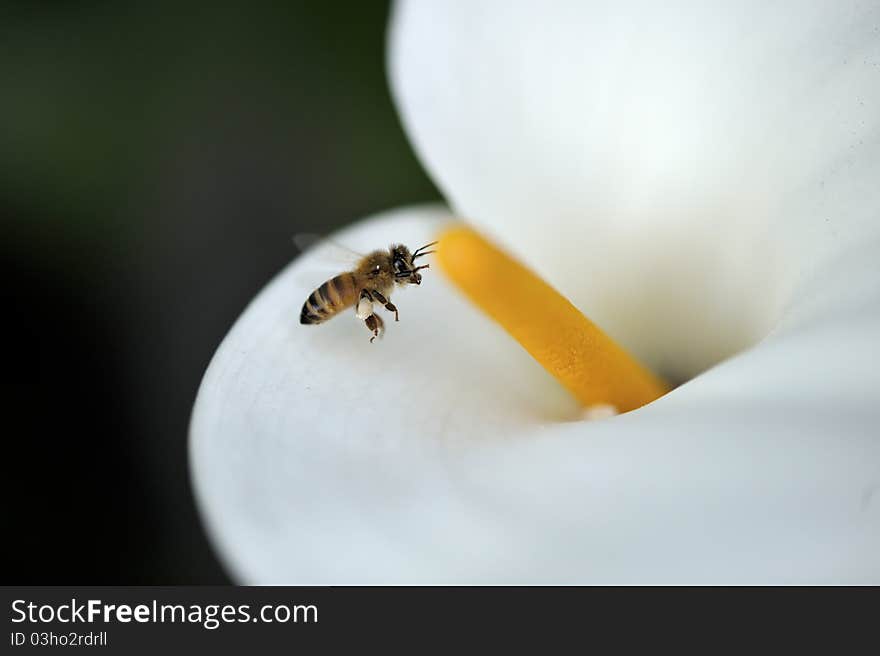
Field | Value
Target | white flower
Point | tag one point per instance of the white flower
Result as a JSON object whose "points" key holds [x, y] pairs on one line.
{"points": [[703, 180]]}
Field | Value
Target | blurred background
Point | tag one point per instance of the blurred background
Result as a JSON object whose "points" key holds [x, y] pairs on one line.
{"points": [[155, 162]]}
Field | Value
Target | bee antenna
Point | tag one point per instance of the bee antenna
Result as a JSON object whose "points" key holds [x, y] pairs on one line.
{"points": [[419, 252]]}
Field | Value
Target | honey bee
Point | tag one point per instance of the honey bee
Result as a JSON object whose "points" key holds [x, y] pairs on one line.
{"points": [[372, 280]]}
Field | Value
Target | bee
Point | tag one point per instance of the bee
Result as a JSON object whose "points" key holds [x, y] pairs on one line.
{"points": [[372, 280]]}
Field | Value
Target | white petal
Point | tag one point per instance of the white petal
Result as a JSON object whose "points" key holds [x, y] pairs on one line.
{"points": [[445, 454], [683, 166]]}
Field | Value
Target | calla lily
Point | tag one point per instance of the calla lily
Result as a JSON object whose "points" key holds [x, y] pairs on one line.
{"points": [[699, 178]]}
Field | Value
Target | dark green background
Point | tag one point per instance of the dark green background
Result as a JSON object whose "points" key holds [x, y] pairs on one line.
{"points": [[155, 162]]}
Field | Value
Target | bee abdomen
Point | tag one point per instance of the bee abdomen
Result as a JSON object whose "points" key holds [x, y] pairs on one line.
{"points": [[333, 296]]}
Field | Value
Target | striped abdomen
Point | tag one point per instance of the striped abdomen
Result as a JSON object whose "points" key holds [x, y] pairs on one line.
{"points": [[330, 299]]}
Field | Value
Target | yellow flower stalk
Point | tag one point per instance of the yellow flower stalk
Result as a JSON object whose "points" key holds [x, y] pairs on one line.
{"points": [[586, 361]]}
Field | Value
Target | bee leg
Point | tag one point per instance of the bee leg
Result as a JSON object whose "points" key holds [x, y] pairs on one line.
{"points": [[388, 304], [374, 325], [365, 311], [364, 305]]}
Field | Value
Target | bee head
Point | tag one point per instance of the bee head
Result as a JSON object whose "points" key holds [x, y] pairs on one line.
{"points": [[403, 263]]}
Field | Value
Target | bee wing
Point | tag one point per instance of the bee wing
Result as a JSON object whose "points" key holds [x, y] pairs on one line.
{"points": [[326, 248], [327, 258]]}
